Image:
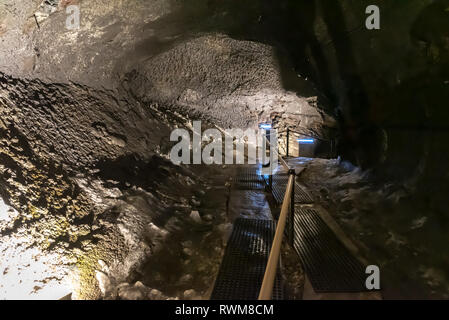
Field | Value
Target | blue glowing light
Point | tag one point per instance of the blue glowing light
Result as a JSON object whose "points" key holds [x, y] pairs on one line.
{"points": [[265, 126], [306, 141]]}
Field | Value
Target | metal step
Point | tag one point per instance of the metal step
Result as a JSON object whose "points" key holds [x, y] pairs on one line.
{"points": [[245, 259], [248, 185], [328, 263], [280, 185], [248, 178]]}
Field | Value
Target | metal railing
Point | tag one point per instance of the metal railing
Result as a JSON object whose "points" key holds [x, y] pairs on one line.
{"points": [[288, 205], [287, 132]]}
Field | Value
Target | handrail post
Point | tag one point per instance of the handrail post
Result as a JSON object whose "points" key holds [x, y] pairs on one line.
{"points": [[270, 181], [292, 208], [288, 139]]}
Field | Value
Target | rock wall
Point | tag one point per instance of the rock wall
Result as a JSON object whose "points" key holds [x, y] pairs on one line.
{"points": [[389, 86], [85, 121]]}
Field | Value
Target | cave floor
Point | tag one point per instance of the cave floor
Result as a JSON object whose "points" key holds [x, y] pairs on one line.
{"points": [[186, 243], [188, 261]]}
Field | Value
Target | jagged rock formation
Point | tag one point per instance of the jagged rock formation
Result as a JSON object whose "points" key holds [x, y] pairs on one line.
{"points": [[234, 84], [85, 121]]}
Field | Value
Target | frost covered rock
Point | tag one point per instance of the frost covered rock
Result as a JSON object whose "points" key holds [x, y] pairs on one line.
{"points": [[104, 266], [185, 279], [225, 230], [104, 283], [208, 218], [187, 251], [138, 291], [187, 244], [155, 294], [190, 294], [418, 223], [6, 213], [195, 216], [195, 202]]}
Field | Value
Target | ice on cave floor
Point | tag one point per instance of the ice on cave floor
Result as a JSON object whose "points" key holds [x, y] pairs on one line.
{"points": [[28, 274], [6, 212]]}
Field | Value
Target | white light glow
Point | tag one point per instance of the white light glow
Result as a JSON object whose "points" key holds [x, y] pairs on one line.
{"points": [[265, 126], [27, 273], [306, 141], [5, 212]]}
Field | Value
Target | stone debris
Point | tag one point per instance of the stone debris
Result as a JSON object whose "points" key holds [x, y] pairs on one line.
{"points": [[103, 282], [418, 223], [195, 216], [190, 294]]}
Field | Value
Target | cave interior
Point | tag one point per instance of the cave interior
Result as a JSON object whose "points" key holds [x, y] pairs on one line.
{"points": [[91, 205]]}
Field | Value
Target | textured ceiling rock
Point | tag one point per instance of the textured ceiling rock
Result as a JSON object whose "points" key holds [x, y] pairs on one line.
{"points": [[232, 83], [202, 75], [48, 50]]}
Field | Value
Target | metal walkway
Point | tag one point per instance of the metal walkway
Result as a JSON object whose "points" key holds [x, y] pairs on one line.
{"points": [[244, 262], [328, 263], [279, 185], [247, 178]]}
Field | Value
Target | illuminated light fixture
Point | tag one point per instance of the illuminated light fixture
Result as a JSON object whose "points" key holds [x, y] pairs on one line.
{"points": [[265, 126], [306, 141]]}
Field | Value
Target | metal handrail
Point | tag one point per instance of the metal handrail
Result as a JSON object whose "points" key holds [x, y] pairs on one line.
{"points": [[266, 290], [281, 160]]}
